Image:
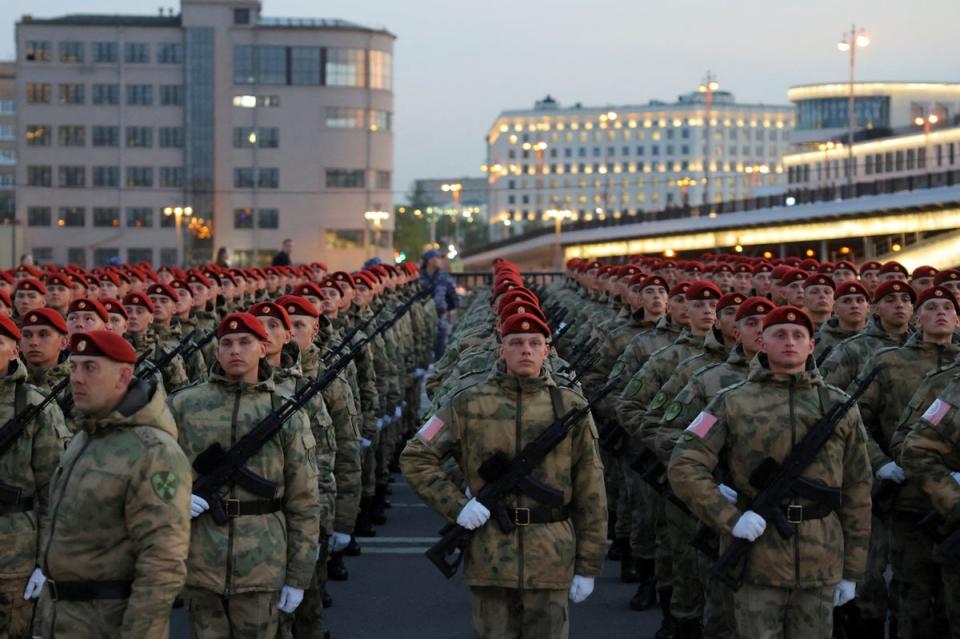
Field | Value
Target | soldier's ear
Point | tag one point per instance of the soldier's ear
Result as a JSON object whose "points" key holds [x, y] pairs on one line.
{"points": [[64, 342]]}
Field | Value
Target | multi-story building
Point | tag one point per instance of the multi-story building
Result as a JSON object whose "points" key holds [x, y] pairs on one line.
{"points": [[9, 234], [625, 160], [263, 128]]}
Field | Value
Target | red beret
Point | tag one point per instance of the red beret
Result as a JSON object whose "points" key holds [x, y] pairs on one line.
{"points": [[364, 278], [164, 290], [9, 328], [894, 286], [730, 299], [793, 275], [138, 299], [743, 267], [694, 267], [90, 305], [242, 323], [58, 279], [518, 294], [524, 323], [946, 275], [5, 298], [46, 317], [723, 268], [270, 309], [6, 277], [703, 290], [809, 265], [344, 278], [29, 270], [870, 266], [309, 288], [179, 285], [296, 305], [779, 271], [845, 264], [114, 306], [329, 282], [754, 306], [110, 276], [826, 267], [518, 307], [788, 315], [648, 280], [763, 267], [924, 271], [793, 262], [894, 267], [504, 287], [938, 293], [199, 278], [678, 289], [31, 284], [851, 288], [819, 279], [319, 265], [103, 344], [629, 270]]}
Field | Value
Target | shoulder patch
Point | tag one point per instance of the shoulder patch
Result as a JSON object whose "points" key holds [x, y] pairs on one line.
{"points": [[659, 400], [673, 410], [164, 484], [430, 429], [702, 424], [936, 411]]}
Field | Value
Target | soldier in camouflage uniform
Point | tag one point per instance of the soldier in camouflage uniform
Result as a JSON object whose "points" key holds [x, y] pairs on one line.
{"points": [[520, 581], [43, 347], [791, 585], [115, 541], [140, 310], [170, 333], [851, 306], [263, 559]]}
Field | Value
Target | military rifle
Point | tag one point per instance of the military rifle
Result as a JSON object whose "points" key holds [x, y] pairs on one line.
{"points": [[509, 475], [578, 352], [585, 365], [933, 525], [185, 347]]}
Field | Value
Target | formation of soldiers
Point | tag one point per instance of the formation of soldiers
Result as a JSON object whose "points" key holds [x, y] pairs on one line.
{"points": [[212, 438], [748, 494]]}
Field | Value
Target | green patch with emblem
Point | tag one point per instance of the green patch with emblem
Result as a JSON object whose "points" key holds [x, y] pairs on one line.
{"points": [[632, 387], [617, 369], [659, 400], [673, 410], [164, 484]]}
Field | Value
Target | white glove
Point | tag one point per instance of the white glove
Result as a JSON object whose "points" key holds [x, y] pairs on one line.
{"points": [[891, 471], [473, 515], [198, 506], [956, 476], [338, 541], [580, 588], [418, 372], [290, 598], [398, 413], [750, 526], [34, 584], [728, 493], [365, 443], [845, 591], [379, 424]]}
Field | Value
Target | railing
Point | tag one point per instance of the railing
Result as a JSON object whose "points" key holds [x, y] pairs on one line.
{"points": [[472, 279]]}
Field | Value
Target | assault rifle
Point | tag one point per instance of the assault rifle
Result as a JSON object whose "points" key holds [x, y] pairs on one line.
{"points": [[186, 347], [948, 540], [780, 481], [579, 352], [503, 477]]}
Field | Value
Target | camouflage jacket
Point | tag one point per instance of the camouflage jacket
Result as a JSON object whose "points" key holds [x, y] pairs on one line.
{"points": [[45, 379], [643, 344], [763, 417], [28, 464], [828, 336], [846, 361], [174, 374], [931, 451], [366, 374], [120, 510], [255, 552], [503, 414]]}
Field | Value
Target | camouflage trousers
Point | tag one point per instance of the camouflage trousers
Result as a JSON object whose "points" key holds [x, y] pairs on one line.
{"points": [[15, 611], [509, 613], [687, 601], [389, 437], [924, 589], [873, 599], [306, 622], [642, 513], [764, 612], [251, 615], [82, 619], [718, 610], [368, 467], [612, 481], [663, 561]]}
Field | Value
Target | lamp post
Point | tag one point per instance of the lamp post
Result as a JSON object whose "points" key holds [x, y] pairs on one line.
{"points": [[377, 218], [179, 212], [926, 122], [454, 189], [685, 183], [558, 216], [708, 86], [851, 42]]}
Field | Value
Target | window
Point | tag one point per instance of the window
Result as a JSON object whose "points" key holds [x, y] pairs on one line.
{"points": [[381, 70], [344, 67], [106, 176], [72, 135], [139, 217], [344, 238], [268, 178], [171, 176], [171, 137], [253, 101], [103, 256], [139, 94], [38, 135], [305, 66], [265, 137], [264, 178], [140, 137], [71, 52], [39, 92], [8, 107], [8, 180], [345, 179], [38, 216], [140, 176], [39, 176], [171, 94], [106, 94], [268, 218], [168, 256], [382, 121], [243, 178], [77, 255], [241, 16], [106, 216], [244, 68], [106, 136], [243, 218], [271, 65], [72, 216], [344, 118], [136, 53], [137, 255], [38, 51], [382, 180], [71, 177], [169, 53], [105, 52]]}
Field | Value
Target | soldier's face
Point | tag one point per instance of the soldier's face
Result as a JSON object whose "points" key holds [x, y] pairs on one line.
{"points": [[304, 329], [165, 277], [139, 319], [922, 283], [109, 289], [163, 308], [703, 315], [58, 296], [331, 301], [98, 383], [818, 299], [184, 302], [793, 292], [852, 310], [723, 280], [894, 275], [25, 301], [870, 279], [787, 347], [524, 353], [239, 355], [277, 333], [742, 283], [82, 321], [41, 345], [750, 329], [937, 318], [842, 275], [954, 286], [198, 294], [895, 309], [653, 299], [761, 282], [8, 352], [116, 323], [677, 307], [727, 322]]}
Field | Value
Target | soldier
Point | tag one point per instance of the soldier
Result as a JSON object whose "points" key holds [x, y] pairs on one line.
{"points": [[845, 272], [263, 559], [116, 315], [519, 581], [852, 307], [870, 276], [818, 298], [140, 314], [44, 348], [922, 277], [791, 585], [6, 304], [85, 315], [115, 542], [893, 271], [58, 292], [28, 295]]}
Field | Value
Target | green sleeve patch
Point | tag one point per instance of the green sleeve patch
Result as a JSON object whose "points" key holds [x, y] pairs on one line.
{"points": [[632, 387], [164, 485], [617, 369], [673, 410], [659, 400]]}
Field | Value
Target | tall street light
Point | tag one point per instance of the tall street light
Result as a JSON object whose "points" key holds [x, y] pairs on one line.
{"points": [[707, 87], [558, 216], [851, 42], [454, 190], [179, 212], [926, 122], [377, 218]]}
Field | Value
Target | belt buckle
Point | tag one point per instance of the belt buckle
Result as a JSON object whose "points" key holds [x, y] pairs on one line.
{"points": [[794, 513], [525, 521], [232, 506], [52, 584]]}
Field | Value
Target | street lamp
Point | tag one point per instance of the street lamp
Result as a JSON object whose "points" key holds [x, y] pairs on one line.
{"points": [[851, 42], [708, 86], [685, 183], [558, 216], [454, 190], [179, 212], [377, 218], [926, 122]]}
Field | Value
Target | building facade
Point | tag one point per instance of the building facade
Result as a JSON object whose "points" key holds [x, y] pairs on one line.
{"points": [[262, 128], [625, 160]]}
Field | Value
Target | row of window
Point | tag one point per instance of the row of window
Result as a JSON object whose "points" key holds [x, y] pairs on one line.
{"points": [[264, 218], [719, 134], [75, 52], [878, 163], [351, 118], [312, 66], [732, 184], [102, 256], [75, 93], [75, 177], [269, 178], [102, 217], [625, 151], [142, 137]]}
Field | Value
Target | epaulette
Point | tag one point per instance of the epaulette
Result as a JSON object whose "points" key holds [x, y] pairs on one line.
{"points": [[192, 384]]}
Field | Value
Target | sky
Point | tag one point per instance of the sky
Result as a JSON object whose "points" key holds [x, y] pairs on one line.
{"points": [[457, 65]]}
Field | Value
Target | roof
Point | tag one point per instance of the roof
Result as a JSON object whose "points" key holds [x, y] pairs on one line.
{"points": [[106, 20], [284, 22], [651, 107]]}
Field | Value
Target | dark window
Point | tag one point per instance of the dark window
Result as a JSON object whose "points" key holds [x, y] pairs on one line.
{"points": [[241, 16], [899, 157], [868, 166], [106, 94], [171, 176], [37, 51], [140, 137], [77, 255], [139, 176], [102, 256], [171, 95], [139, 217], [305, 65], [268, 178], [106, 176], [136, 53], [171, 137], [38, 216], [139, 94], [39, 92], [71, 52], [105, 52], [71, 177], [345, 179], [71, 135], [72, 216], [168, 256], [271, 65], [382, 180], [38, 135], [39, 176], [169, 53], [106, 216], [243, 178], [243, 218], [268, 218], [106, 136], [137, 255]]}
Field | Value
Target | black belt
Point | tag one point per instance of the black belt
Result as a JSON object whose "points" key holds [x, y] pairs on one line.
{"points": [[527, 516], [237, 508], [88, 590], [795, 513], [22, 506]]}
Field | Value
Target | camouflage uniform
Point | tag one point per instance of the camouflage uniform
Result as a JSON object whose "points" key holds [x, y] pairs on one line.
{"points": [[789, 582], [480, 421], [45, 379], [828, 336], [847, 358], [28, 464], [174, 374], [247, 561], [120, 513]]}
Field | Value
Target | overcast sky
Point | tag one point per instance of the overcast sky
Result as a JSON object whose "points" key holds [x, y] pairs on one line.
{"points": [[458, 64]]}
